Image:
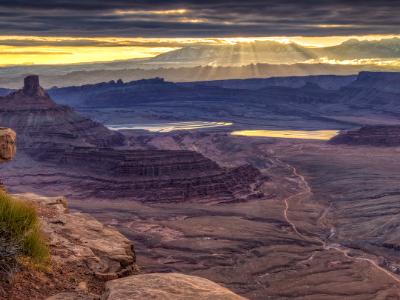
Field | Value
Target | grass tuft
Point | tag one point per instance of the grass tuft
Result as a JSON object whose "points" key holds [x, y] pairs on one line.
{"points": [[35, 247], [19, 222]]}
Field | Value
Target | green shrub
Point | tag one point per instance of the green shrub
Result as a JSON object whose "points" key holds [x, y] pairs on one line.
{"points": [[19, 222]]}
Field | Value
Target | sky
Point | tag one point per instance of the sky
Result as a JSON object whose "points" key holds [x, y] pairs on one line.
{"points": [[72, 31]]}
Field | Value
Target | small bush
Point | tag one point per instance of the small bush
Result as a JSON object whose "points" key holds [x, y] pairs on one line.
{"points": [[19, 225]]}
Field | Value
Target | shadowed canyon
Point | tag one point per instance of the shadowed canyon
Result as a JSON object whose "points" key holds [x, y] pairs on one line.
{"points": [[269, 217]]}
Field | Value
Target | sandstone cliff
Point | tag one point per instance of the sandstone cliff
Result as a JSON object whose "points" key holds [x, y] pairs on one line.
{"points": [[38, 120]]}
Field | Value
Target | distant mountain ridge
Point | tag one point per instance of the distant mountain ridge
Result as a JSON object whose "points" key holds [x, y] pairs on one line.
{"points": [[200, 73], [239, 54], [329, 82], [389, 82], [218, 62], [274, 52]]}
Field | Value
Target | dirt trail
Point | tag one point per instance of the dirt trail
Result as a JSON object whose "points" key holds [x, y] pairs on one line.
{"points": [[306, 191]]}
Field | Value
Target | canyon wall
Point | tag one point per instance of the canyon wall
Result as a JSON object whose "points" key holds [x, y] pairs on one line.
{"points": [[74, 146]]}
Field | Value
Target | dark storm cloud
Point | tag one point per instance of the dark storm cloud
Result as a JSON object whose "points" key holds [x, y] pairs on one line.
{"points": [[202, 18]]}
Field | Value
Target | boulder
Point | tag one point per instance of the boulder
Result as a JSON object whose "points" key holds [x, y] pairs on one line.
{"points": [[7, 144], [166, 286]]}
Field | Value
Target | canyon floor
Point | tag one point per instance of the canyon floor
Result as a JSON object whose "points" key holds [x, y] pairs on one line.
{"points": [[326, 227]]}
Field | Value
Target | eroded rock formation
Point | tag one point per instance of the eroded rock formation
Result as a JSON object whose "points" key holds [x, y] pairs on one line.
{"points": [[76, 146], [7, 147], [37, 119], [32, 87], [152, 175], [7, 144], [379, 135]]}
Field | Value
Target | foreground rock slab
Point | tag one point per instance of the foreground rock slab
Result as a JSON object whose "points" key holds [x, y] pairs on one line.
{"points": [[70, 296], [165, 286], [79, 238]]}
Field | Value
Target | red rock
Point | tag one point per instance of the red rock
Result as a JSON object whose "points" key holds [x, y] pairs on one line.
{"points": [[36, 118]]}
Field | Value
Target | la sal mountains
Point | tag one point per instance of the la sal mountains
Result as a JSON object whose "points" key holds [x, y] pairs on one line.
{"points": [[201, 62]]}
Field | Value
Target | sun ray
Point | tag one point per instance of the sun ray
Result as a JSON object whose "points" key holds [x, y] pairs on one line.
{"points": [[20, 50]]}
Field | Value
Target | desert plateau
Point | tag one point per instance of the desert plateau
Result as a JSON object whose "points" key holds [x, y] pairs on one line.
{"points": [[199, 150]]}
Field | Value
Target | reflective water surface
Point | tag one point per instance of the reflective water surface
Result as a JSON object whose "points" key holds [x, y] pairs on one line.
{"points": [[168, 127], [289, 134]]}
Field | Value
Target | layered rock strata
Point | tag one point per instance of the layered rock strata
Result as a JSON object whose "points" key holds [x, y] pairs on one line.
{"points": [[36, 118], [77, 147], [151, 175], [380, 135]]}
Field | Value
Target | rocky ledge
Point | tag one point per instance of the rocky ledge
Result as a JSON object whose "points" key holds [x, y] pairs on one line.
{"points": [[78, 238], [92, 261], [379, 135], [84, 254]]}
